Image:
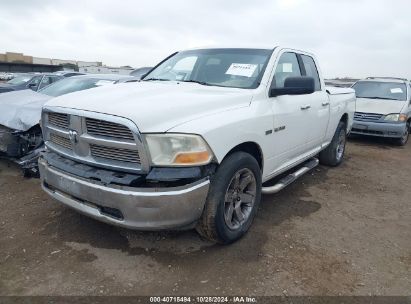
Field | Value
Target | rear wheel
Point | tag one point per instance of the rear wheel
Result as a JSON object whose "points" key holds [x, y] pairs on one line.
{"points": [[404, 138], [233, 199], [333, 155]]}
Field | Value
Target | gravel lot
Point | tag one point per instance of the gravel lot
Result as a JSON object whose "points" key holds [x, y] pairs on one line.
{"points": [[344, 230]]}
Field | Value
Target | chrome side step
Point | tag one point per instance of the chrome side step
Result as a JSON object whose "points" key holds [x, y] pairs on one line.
{"points": [[284, 182]]}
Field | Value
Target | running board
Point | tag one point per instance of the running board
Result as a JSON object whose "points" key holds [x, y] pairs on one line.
{"points": [[284, 182]]}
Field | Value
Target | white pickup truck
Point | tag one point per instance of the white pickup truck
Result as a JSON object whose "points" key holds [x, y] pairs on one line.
{"points": [[192, 145]]}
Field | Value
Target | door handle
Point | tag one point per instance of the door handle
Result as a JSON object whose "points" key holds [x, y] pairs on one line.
{"points": [[325, 104], [306, 107]]}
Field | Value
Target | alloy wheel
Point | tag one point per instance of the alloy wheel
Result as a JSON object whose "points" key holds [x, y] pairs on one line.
{"points": [[341, 145], [240, 198]]}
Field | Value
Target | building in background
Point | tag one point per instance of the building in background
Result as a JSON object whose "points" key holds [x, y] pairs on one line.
{"points": [[18, 62], [38, 60], [15, 57], [88, 63]]}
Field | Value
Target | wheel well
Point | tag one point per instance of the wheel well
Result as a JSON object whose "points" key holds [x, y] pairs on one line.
{"points": [[250, 148], [344, 119]]}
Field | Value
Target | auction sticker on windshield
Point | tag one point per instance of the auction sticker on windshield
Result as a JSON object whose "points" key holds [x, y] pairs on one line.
{"points": [[241, 69], [396, 90]]}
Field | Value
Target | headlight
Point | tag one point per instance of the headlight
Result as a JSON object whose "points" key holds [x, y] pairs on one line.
{"points": [[396, 117], [178, 150]]}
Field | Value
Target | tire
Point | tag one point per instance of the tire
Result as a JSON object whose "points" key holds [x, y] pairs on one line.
{"points": [[333, 155], [227, 200], [404, 139]]}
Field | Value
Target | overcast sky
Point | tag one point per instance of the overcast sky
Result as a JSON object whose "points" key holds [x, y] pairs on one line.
{"points": [[350, 37]]}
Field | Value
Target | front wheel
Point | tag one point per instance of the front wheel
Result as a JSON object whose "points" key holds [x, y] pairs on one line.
{"points": [[404, 138], [333, 155], [233, 199]]}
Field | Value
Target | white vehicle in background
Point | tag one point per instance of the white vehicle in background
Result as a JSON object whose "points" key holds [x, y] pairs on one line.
{"points": [[6, 76], [192, 143], [383, 108]]}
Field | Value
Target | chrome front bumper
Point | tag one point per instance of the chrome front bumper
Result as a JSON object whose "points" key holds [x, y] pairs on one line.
{"points": [[140, 208]]}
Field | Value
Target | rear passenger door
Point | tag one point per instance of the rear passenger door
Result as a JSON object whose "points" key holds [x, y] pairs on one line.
{"points": [[318, 101]]}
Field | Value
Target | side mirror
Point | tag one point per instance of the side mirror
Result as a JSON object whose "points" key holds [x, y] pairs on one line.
{"points": [[32, 86], [295, 86]]}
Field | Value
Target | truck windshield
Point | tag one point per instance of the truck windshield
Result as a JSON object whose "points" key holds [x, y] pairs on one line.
{"points": [[236, 68], [381, 90]]}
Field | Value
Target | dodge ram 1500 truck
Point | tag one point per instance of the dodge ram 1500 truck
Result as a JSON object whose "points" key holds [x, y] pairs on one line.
{"points": [[191, 145]]}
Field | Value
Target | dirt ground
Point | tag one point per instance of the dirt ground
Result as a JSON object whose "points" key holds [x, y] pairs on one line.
{"points": [[339, 231]]}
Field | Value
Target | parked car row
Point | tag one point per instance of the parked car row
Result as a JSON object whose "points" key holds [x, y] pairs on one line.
{"points": [[22, 99], [35, 82], [196, 142], [6, 76]]}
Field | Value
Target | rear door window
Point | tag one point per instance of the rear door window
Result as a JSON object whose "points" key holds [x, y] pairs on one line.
{"points": [[311, 70]]}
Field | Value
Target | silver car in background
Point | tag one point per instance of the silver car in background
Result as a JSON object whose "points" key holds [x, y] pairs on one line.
{"points": [[383, 108]]}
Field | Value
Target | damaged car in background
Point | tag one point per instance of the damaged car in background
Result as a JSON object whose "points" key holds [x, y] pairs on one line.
{"points": [[20, 133], [32, 81]]}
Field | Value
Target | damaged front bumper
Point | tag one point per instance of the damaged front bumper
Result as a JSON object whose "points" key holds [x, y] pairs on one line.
{"points": [[8, 141], [21, 147], [142, 208]]}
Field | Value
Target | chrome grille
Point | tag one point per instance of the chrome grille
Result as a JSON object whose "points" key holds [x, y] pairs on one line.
{"points": [[61, 141], [97, 139], [367, 116], [125, 155], [58, 120], [108, 129]]}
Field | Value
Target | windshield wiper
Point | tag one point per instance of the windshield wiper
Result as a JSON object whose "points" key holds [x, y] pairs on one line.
{"points": [[376, 97], [196, 81], [156, 79]]}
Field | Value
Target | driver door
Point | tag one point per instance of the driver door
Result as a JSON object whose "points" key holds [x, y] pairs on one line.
{"points": [[292, 115]]}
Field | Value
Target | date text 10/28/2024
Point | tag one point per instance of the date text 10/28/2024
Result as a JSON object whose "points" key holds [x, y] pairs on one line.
{"points": [[203, 299]]}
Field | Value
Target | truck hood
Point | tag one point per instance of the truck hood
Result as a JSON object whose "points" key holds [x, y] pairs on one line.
{"points": [[379, 106], [156, 106], [21, 110]]}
